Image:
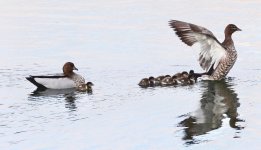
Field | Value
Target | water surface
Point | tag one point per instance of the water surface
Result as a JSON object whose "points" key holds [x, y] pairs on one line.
{"points": [[114, 44]]}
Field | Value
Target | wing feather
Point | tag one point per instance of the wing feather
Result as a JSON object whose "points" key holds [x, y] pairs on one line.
{"points": [[211, 50]]}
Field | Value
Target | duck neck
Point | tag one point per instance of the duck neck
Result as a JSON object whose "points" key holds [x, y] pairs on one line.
{"points": [[228, 42], [68, 73]]}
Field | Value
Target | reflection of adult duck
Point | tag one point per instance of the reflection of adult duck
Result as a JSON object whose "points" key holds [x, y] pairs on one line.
{"points": [[217, 99], [69, 95], [68, 79]]}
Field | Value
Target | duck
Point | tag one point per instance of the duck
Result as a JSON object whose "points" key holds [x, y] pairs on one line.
{"points": [[161, 77], [189, 79], [148, 82], [151, 81], [158, 80], [144, 82], [215, 58], [181, 77], [167, 81], [174, 79], [68, 79], [85, 87]]}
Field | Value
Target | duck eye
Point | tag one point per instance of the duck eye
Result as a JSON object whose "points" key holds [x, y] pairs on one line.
{"points": [[234, 27]]}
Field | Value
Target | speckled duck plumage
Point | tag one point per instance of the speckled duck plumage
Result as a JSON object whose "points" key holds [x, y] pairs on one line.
{"points": [[215, 58]]}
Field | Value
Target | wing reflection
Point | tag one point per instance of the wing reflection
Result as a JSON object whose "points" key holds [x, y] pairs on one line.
{"points": [[218, 101]]}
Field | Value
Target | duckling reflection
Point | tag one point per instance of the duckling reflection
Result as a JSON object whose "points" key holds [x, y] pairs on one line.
{"points": [[70, 101], [218, 101]]}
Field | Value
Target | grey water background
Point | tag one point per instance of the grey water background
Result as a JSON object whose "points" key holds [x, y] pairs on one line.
{"points": [[114, 44]]}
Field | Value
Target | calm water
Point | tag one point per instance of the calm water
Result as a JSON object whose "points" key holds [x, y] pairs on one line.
{"points": [[114, 44]]}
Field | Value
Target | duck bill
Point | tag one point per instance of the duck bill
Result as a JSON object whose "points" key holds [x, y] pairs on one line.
{"points": [[74, 68], [239, 29]]}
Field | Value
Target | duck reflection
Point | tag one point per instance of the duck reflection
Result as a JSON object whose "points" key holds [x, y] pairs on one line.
{"points": [[69, 95], [218, 101]]}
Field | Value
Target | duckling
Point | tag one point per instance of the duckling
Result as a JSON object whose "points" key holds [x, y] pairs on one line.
{"points": [[177, 74], [89, 86], [181, 77], [185, 74], [158, 80], [151, 81], [189, 79], [167, 76], [144, 82], [85, 87], [174, 80], [166, 81], [192, 77]]}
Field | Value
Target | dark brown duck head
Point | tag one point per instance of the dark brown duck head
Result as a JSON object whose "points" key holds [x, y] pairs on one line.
{"points": [[230, 29], [68, 68]]}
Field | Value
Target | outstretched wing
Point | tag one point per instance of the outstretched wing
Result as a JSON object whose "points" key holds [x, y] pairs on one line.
{"points": [[211, 50]]}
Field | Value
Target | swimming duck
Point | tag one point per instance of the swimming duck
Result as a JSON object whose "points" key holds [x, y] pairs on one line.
{"points": [[144, 82], [151, 81], [181, 77], [215, 58], [68, 79], [167, 81], [174, 79], [188, 79], [158, 80], [85, 87]]}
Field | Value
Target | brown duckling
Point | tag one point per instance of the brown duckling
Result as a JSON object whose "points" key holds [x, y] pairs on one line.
{"points": [[174, 79], [151, 81], [189, 79], [167, 81], [144, 82], [85, 87], [185, 74], [192, 77], [181, 77], [158, 80]]}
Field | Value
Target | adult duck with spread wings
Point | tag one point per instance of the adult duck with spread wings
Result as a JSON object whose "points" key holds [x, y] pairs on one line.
{"points": [[215, 58]]}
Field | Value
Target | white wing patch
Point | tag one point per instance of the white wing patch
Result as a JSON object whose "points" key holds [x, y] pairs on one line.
{"points": [[56, 83], [211, 52]]}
